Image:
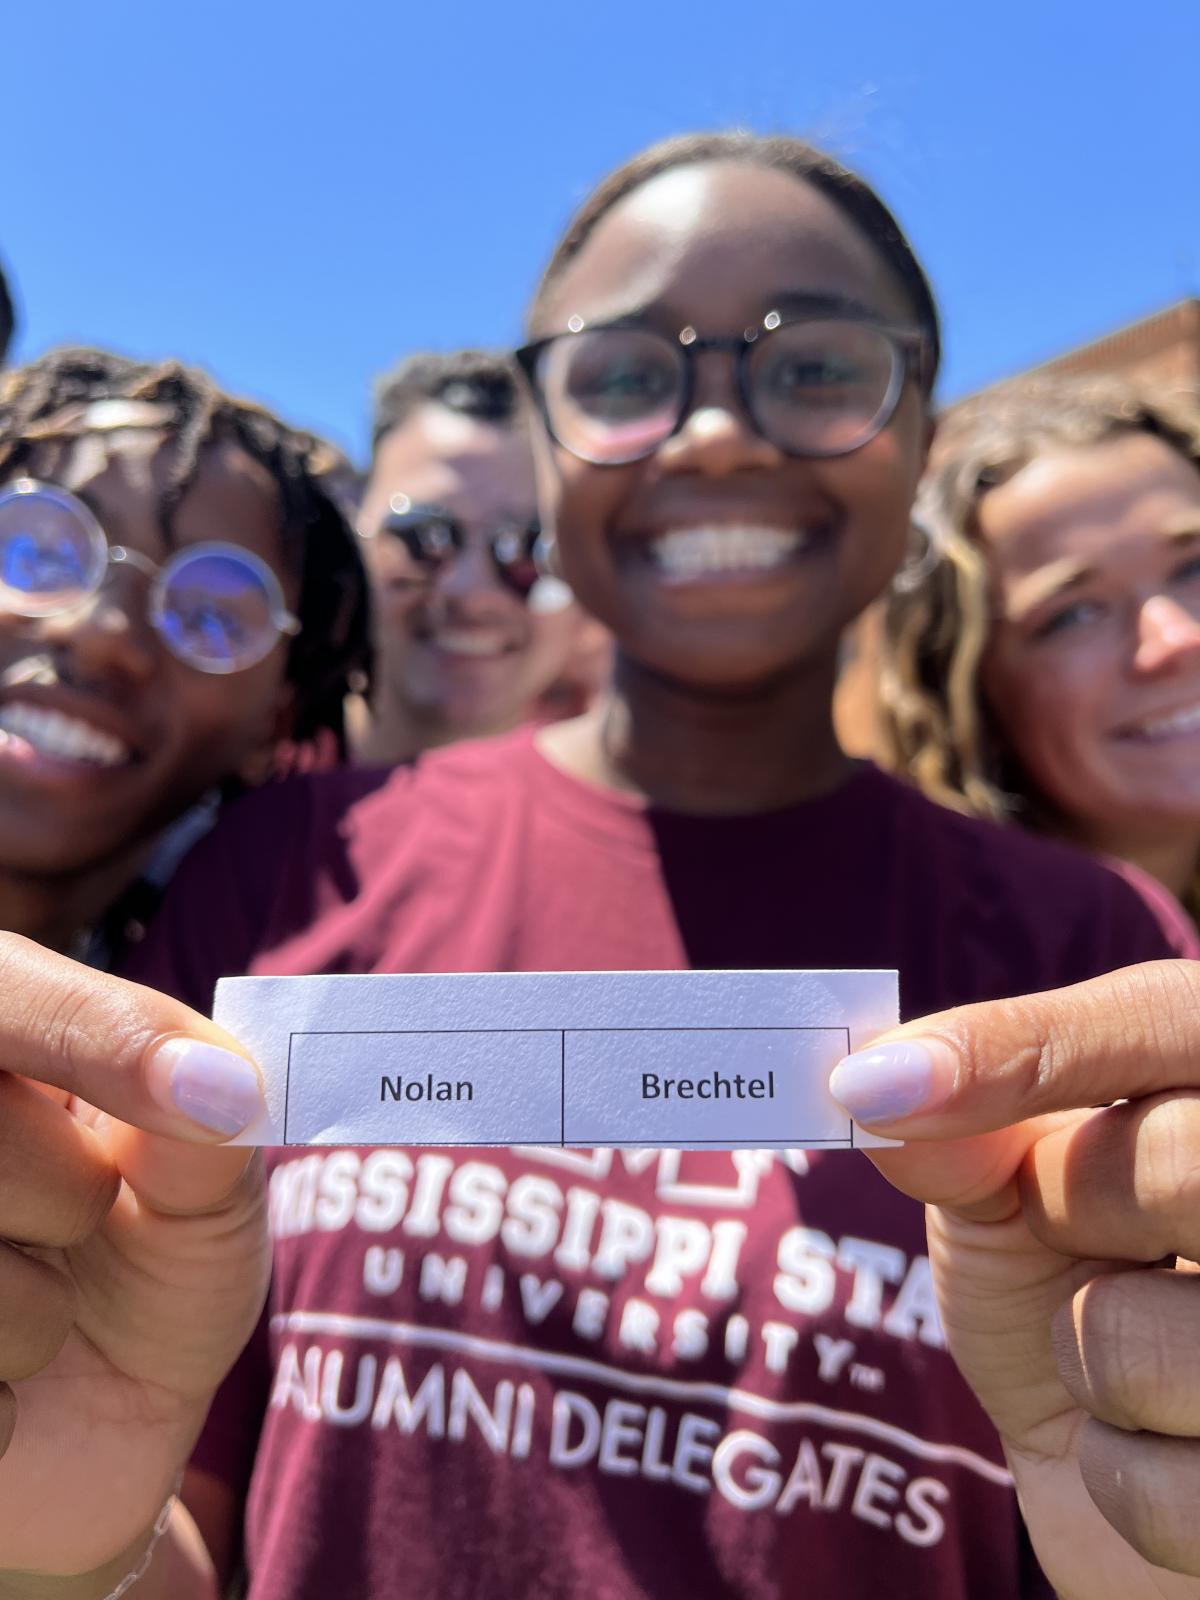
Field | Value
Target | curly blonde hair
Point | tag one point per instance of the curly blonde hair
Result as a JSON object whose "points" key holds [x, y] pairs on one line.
{"points": [[935, 726]]}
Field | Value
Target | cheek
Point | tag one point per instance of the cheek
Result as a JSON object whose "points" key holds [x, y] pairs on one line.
{"points": [[877, 485], [1049, 710], [588, 506], [219, 720]]}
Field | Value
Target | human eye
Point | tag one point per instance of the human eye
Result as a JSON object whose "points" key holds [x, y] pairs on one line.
{"points": [[622, 381], [1070, 618], [1187, 572], [209, 622], [817, 376]]}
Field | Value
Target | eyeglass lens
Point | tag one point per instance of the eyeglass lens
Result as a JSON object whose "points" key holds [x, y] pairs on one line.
{"points": [[213, 607], [47, 551], [432, 538], [812, 387], [213, 610]]}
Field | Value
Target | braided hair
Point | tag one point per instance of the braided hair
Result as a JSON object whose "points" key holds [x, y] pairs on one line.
{"points": [[332, 646]]}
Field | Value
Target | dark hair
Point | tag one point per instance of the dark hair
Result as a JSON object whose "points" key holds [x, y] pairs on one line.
{"points": [[850, 193], [48, 399], [476, 382], [8, 317]]}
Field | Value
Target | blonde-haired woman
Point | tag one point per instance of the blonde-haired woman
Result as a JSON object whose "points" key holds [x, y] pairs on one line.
{"points": [[1043, 665]]}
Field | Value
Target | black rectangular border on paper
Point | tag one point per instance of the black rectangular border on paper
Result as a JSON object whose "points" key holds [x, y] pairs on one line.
{"points": [[469, 1144]]}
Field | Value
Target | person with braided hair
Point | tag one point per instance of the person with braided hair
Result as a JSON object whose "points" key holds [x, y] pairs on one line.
{"points": [[178, 595], [1045, 670]]}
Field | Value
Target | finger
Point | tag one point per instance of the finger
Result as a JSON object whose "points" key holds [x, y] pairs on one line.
{"points": [[8, 1417], [987, 1066], [56, 1181], [136, 1054], [1148, 1488], [37, 1307], [1128, 1350], [1121, 1184]]}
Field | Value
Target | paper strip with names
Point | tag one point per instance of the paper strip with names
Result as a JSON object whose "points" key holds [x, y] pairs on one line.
{"points": [[693, 1060]]}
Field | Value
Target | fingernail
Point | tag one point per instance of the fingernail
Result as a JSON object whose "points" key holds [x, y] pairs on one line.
{"points": [[214, 1087], [892, 1080]]}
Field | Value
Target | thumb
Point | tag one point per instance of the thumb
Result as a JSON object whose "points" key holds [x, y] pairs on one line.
{"points": [[982, 1067], [970, 1090], [131, 1052]]}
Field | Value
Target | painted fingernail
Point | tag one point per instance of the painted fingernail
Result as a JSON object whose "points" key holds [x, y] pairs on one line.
{"points": [[214, 1087], [892, 1080]]}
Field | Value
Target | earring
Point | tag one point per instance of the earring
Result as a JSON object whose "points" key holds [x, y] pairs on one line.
{"points": [[549, 592]]}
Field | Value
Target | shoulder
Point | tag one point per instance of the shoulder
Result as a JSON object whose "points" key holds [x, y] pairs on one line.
{"points": [[1090, 903], [350, 821]]}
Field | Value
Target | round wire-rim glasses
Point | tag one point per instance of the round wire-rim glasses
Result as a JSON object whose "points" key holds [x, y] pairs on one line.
{"points": [[81, 574]]}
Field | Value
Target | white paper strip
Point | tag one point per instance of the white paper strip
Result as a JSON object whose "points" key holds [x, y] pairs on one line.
{"points": [[687, 1059]]}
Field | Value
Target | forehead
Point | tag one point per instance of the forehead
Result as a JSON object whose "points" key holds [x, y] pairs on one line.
{"points": [[124, 473], [1091, 503], [441, 457], [716, 243]]}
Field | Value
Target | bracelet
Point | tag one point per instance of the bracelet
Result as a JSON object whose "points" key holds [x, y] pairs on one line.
{"points": [[156, 1533]]}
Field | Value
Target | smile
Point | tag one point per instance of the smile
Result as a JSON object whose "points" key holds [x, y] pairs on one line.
{"points": [[469, 642], [63, 738], [1171, 725], [686, 554]]}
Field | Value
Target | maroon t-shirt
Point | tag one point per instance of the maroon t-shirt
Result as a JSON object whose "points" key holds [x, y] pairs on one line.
{"points": [[615, 1374]]}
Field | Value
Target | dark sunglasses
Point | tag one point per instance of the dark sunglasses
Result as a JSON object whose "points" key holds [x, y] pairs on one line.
{"points": [[433, 536]]}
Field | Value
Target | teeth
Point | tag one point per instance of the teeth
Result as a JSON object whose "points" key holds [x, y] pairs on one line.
{"points": [[1184, 721], [694, 552], [466, 642], [66, 738]]}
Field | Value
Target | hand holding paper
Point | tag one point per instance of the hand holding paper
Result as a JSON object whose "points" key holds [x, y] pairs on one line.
{"points": [[688, 1059], [137, 1256], [1049, 1225]]}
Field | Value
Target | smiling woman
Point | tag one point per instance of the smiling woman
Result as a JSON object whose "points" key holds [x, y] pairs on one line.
{"points": [[177, 595], [730, 357], [1047, 672]]}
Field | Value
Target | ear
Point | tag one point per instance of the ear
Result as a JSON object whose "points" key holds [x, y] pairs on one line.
{"points": [[261, 761]]}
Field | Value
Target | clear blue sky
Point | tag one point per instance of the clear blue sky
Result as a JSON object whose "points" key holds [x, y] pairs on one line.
{"points": [[296, 194]]}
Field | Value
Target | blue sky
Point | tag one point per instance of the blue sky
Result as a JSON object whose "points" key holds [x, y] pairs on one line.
{"points": [[296, 194]]}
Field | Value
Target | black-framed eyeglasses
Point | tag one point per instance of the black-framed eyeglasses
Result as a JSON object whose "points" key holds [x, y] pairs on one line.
{"points": [[216, 606], [813, 386], [433, 536]]}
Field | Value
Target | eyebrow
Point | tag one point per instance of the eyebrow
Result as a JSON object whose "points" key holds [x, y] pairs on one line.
{"points": [[1060, 577], [828, 303], [1046, 584]]}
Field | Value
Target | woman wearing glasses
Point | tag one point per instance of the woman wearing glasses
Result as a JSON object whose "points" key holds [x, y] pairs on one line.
{"points": [[586, 1372], [176, 596]]}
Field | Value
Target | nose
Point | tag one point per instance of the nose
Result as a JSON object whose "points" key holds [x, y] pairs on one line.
{"points": [[469, 584], [107, 637], [717, 437], [1168, 635]]}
